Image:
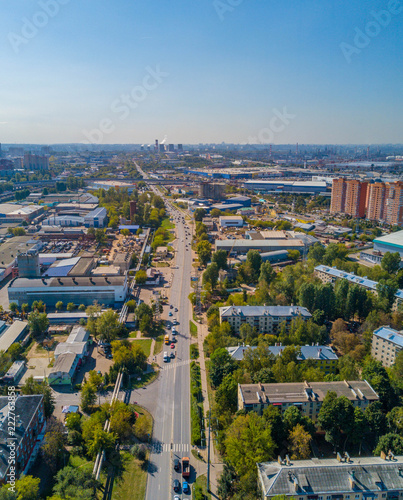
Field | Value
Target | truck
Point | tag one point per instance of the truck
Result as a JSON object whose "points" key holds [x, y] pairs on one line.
{"points": [[185, 467]]}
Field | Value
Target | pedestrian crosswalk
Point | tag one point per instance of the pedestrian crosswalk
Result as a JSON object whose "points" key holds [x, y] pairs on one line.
{"points": [[168, 447], [175, 364]]}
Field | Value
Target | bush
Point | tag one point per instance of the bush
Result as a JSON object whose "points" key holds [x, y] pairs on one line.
{"points": [[196, 405], [194, 351], [139, 451]]}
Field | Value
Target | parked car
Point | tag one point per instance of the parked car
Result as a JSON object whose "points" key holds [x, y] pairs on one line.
{"points": [[185, 487], [176, 485]]}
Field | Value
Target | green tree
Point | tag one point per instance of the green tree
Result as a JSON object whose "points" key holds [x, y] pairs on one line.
{"points": [[388, 442], [336, 417], [267, 273], [306, 296], [75, 483], [210, 275], [59, 305], [220, 258], [248, 442], [294, 255], [386, 293], [141, 277], [375, 418], [100, 236], [204, 252], [38, 323], [88, 396], [108, 326], [391, 262], [27, 488], [317, 252], [32, 387], [254, 259], [53, 447], [199, 213], [300, 441], [70, 307], [221, 364], [13, 306], [378, 378]]}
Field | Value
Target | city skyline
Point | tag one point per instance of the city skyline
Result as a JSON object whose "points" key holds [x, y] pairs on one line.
{"points": [[217, 72]]}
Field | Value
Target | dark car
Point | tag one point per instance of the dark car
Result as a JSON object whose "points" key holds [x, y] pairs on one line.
{"points": [[177, 465], [176, 485]]}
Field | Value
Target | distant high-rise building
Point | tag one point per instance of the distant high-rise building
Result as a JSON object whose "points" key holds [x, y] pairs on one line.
{"points": [[376, 201], [15, 151], [36, 162], [356, 198], [338, 201], [1, 152], [171, 147], [162, 148], [133, 208], [180, 147], [156, 145], [393, 211], [214, 191]]}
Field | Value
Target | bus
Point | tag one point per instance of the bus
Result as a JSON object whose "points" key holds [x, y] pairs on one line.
{"points": [[166, 339]]}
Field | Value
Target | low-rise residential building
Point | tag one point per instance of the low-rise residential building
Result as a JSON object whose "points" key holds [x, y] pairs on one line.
{"points": [[331, 274], [266, 319], [308, 397], [386, 345], [64, 369], [30, 425], [324, 357], [361, 478]]}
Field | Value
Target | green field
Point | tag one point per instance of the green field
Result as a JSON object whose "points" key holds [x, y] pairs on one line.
{"points": [[167, 224], [159, 342], [132, 484], [193, 329], [145, 344]]}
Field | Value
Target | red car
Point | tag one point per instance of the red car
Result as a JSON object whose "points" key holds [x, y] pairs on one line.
{"points": [[172, 346]]}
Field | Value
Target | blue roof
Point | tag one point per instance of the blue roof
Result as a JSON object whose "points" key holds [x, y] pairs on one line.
{"points": [[387, 333], [129, 226], [319, 352], [352, 278]]}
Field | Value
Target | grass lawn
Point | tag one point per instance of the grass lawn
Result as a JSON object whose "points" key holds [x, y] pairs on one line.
{"points": [[146, 379], [80, 462], [193, 329], [201, 485], [167, 224], [144, 413], [132, 484], [159, 342], [145, 344]]}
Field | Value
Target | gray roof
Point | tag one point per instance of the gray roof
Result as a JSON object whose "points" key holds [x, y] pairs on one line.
{"points": [[12, 334], [25, 408], [252, 311], [320, 352], [13, 246], [63, 363], [392, 239], [67, 282], [300, 392], [327, 476], [69, 347], [78, 334]]}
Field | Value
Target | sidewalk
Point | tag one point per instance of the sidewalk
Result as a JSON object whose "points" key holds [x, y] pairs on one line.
{"points": [[215, 466]]}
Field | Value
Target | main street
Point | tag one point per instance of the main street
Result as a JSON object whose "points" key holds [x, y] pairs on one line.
{"points": [[171, 436]]}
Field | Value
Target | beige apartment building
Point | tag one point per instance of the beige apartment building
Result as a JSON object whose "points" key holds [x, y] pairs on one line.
{"points": [[386, 345], [307, 397]]}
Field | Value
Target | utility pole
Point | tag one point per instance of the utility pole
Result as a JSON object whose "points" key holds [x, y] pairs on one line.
{"points": [[208, 453]]}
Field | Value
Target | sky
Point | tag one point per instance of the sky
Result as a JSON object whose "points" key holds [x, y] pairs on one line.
{"points": [[201, 71]]}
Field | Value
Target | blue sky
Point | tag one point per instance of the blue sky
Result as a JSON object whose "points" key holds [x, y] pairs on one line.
{"points": [[224, 69]]}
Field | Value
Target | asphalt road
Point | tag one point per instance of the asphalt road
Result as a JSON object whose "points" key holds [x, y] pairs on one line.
{"points": [[171, 438]]}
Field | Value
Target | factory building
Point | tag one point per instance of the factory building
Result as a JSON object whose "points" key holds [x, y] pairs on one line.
{"points": [[108, 291], [212, 191]]}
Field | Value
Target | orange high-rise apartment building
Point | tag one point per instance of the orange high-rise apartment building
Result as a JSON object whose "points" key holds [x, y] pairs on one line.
{"points": [[393, 211], [338, 201], [356, 198], [378, 201]]}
